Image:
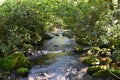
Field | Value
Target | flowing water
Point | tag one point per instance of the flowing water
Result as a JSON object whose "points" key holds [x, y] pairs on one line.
{"points": [[58, 63]]}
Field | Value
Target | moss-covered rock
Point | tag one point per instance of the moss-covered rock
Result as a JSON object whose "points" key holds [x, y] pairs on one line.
{"points": [[14, 61], [102, 74], [112, 72], [94, 69], [91, 61], [22, 71], [115, 71]]}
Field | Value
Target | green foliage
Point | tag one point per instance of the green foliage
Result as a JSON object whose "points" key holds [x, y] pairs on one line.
{"points": [[25, 22], [22, 71], [21, 24], [108, 27], [14, 61], [92, 21], [81, 17]]}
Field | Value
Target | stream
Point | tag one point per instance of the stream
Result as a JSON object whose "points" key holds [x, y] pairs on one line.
{"points": [[58, 62]]}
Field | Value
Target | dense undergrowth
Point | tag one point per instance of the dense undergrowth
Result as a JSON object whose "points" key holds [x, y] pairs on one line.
{"points": [[24, 24]]}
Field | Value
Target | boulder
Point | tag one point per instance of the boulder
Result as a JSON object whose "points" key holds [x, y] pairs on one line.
{"points": [[14, 61]]}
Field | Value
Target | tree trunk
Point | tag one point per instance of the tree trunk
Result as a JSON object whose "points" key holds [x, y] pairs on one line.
{"points": [[111, 5], [110, 2], [118, 2]]}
